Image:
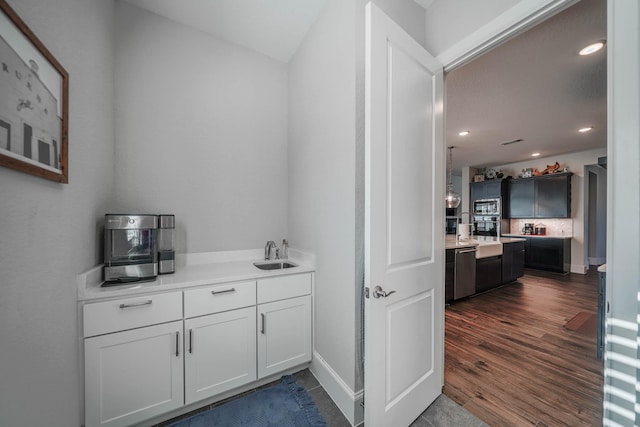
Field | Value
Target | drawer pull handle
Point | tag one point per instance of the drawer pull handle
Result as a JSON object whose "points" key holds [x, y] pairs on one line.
{"points": [[264, 324], [190, 340], [177, 343], [223, 292], [136, 304]]}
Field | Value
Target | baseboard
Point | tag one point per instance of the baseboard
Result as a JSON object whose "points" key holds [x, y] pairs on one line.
{"points": [[597, 260], [578, 268], [348, 401]]}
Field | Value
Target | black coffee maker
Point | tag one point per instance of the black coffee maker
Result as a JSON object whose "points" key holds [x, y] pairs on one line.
{"points": [[528, 228]]}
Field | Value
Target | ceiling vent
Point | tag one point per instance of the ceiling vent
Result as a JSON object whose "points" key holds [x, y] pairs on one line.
{"points": [[513, 142]]}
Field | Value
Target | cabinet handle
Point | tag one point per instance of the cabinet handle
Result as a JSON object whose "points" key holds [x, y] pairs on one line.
{"points": [[177, 343], [136, 304], [223, 292], [264, 324], [190, 340]]}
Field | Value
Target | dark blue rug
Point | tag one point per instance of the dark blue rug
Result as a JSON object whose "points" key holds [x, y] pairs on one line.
{"points": [[283, 405]]}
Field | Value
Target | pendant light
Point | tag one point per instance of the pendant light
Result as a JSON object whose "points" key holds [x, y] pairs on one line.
{"points": [[452, 198]]}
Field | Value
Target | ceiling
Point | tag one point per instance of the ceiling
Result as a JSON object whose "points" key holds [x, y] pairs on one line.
{"points": [[273, 27], [534, 87]]}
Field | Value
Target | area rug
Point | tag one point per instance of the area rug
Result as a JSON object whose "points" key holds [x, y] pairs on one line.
{"points": [[584, 322], [286, 404]]}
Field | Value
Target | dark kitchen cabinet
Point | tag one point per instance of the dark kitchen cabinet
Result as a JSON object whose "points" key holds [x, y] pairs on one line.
{"points": [[553, 196], [488, 273], [512, 261], [450, 265], [546, 196], [548, 254], [492, 189], [521, 199]]}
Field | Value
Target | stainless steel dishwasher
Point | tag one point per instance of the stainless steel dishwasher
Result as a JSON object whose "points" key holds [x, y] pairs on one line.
{"points": [[464, 278]]}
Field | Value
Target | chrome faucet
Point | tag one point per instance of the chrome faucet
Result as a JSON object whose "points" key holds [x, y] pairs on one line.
{"points": [[459, 223], [271, 251]]}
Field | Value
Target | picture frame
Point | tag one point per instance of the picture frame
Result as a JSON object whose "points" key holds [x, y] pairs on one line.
{"points": [[34, 102]]}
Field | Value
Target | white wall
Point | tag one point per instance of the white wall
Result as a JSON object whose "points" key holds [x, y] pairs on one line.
{"points": [[49, 232], [322, 126], [201, 133], [408, 14], [575, 162], [450, 21]]}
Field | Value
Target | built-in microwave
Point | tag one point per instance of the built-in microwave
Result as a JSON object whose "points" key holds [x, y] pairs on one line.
{"points": [[487, 207]]}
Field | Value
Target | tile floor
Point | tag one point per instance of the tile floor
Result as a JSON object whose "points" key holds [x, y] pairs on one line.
{"points": [[444, 412]]}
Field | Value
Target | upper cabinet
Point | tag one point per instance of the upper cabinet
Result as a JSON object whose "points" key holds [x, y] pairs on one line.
{"points": [[493, 189], [546, 196]]}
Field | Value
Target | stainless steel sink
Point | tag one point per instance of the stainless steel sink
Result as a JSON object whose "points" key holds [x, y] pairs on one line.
{"points": [[279, 265]]}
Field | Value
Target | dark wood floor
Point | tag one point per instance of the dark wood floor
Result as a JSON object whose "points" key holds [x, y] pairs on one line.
{"points": [[510, 361]]}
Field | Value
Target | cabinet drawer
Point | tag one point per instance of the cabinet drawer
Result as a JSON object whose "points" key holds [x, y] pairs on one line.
{"points": [[278, 288], [222, 297], [118, 315]]}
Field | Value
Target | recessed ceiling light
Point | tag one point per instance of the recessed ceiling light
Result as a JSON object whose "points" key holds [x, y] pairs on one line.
{"points": [[593, 48], [587, 129], [464, 133], [535, 154]]}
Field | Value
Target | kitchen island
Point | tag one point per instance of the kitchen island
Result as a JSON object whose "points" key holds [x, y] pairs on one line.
{"points": [[498, 261]]}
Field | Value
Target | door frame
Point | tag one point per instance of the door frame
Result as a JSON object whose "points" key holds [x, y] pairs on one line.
{"points": [[513, 22]]}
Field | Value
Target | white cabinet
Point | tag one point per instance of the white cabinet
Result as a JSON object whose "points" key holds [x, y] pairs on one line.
{"points": [[133, 375], [221, 344], [284, 325], [148, 355]]}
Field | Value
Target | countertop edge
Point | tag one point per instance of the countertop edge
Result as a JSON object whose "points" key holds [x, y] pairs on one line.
{"points": [[225, 270]]}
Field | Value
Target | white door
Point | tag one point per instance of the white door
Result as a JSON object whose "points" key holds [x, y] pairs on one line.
{"points": [[133, 375], [404, 243], [284, 335], [220, 353]]}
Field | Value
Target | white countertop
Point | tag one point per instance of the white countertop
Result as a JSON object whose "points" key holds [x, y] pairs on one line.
{"points": [[194, 270], [452, 243]]}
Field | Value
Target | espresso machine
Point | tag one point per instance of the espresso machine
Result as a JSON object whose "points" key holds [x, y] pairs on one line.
{"points": [[528, 228]]}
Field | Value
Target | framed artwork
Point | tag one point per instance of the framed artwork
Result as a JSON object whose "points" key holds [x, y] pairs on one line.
{"points": [[34, 102]]}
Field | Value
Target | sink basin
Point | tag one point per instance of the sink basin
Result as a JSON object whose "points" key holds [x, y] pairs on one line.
{"points": [[279, 265], [487, 249]]}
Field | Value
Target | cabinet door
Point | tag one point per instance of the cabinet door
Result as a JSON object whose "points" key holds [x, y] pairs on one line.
{"points": [[547, 254], [476, 191], [488, 273], [553, 197], [220, 353], [512, 261], [133, 375], [448, 275], [521, 198], [493, 189], [284, 335]]}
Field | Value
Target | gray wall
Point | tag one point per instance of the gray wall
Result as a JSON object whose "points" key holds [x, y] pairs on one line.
{"points": [[450, 21], [201, 133], [322, 176], [50, 232]]}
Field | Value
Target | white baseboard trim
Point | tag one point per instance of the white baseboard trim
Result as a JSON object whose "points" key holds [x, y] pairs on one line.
{"points": [[597, 260], [345, 399], [578, 268]]}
